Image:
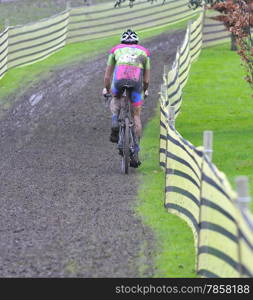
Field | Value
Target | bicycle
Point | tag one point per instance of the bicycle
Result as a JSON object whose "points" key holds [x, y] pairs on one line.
{"points": [[127, 137]]}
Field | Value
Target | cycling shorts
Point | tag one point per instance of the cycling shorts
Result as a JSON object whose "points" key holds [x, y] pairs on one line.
{"points": [[135, 80]]}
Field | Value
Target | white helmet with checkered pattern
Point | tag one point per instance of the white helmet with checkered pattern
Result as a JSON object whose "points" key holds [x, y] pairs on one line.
{"points": [[129, 37]]}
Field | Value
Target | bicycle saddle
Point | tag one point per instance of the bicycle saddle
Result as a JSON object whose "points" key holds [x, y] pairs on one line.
{"points": [[127, 86]]}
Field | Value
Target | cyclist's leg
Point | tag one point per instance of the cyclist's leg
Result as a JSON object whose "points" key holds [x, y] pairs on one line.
{"points": [[137, 121], [115, 109], [136, 99]]}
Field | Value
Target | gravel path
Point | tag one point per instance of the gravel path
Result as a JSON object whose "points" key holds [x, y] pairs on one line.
{"points": [[65, 208]]}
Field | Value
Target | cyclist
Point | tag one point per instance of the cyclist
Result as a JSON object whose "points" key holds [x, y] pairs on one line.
{"points": [[118, 3], [129, 63]]}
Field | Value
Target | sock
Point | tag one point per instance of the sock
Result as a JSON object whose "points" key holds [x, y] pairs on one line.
{"points": [[137, 148], [114, 120]]}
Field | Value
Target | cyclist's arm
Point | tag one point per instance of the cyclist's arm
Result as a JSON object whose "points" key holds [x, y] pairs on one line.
{"points": [[146, 74], [109, 71], [108, 76], [146, 79]]}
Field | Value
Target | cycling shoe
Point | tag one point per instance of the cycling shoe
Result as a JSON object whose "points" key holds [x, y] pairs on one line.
{"points": [[134, 163], [114, 137]]}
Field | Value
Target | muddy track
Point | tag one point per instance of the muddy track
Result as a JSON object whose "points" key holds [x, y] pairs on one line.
{"points": [[65, 208]]}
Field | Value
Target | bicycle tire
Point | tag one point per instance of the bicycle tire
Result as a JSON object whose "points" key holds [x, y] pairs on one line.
{"points": [[126, 154]]}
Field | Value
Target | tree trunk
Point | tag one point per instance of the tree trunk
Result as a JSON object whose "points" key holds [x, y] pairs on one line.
{"points": [[233, 42]]}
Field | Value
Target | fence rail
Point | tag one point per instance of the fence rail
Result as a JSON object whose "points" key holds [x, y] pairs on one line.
{"points": [[196, 190], [27, 44], [90, 25], [214, 33], [34, 42], [3, 52]]}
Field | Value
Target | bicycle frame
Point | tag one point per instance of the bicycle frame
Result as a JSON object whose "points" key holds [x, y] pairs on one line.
{"points": [[125, 108], [126, 132]]}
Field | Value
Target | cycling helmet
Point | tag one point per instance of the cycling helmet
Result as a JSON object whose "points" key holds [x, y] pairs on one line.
{"points": [[129, 37]]}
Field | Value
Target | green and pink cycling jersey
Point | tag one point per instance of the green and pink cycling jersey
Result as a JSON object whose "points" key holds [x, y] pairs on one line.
{"points": [[130, 62]]}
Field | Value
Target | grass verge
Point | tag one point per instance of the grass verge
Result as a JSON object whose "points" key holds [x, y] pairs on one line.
{"points": [[216, 98], [172, 234]]}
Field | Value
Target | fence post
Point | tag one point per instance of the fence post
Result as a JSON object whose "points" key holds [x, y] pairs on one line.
{"points": [[208, 149], [189, 33], [164, 94], [242, 188], [172, 116], [243, 200], [177, 54], [178, 61], [6, 23], [165, 73], [190, 39], [189, 25], [208, 144], [203, 19], [163, 131]]}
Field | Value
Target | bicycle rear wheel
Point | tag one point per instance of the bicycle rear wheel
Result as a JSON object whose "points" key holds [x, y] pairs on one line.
{"points": [[126, 154]]}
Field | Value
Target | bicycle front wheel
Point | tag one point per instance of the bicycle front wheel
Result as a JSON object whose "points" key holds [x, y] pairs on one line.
{"points": [[126, 154]]}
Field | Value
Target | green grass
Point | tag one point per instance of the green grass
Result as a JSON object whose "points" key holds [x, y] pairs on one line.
{"points": [[217, 98], [18, 78], [172, 235]]}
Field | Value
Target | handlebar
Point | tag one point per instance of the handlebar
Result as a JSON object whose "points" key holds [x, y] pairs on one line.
{"points": [[107, 96]]}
